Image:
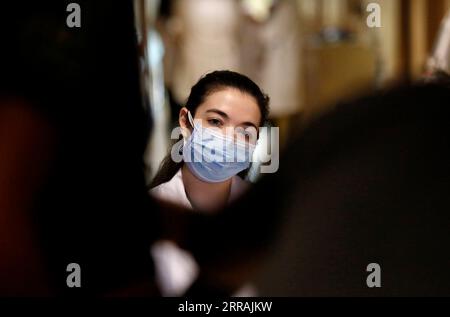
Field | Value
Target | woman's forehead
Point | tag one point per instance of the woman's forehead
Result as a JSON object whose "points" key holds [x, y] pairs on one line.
{"points": [[238, 106]]}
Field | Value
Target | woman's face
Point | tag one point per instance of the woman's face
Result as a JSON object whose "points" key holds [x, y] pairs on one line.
{"points": [[227, 109]]}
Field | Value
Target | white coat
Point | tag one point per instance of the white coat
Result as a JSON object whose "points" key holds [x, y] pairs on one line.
{"points": [[176, 269]]}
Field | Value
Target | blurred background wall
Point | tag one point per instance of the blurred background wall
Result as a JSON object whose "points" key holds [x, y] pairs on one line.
{"points": [[306, 54]]}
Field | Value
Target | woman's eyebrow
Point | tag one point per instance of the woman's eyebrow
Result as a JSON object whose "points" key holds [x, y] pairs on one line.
{"points": [[221, 113], [250, 124], [225, 116]]}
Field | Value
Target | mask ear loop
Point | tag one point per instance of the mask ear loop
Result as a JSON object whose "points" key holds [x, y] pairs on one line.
{"points": [[191, 122]]}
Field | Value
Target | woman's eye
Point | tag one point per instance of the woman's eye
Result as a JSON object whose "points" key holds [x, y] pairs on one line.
{"points": [[215, 122], [248, 135]]}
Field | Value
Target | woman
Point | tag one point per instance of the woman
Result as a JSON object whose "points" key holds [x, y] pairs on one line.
{"points": [[220, 102], [219, 126]]}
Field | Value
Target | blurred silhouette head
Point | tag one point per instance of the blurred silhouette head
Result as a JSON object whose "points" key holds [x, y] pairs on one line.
{"points": [[365, 184]]}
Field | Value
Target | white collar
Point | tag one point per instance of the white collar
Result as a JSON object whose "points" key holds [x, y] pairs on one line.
{"points": [[174, 191]]}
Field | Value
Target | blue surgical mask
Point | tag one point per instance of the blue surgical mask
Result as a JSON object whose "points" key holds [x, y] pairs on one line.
{"points": [[213, 157]]}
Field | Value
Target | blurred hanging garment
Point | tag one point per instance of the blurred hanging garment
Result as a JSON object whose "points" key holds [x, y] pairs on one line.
{"points": [[205, 33], [440, 60], [271, 54]]}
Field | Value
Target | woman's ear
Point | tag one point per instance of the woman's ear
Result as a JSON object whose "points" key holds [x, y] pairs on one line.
{"points": [[183, 121]]}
